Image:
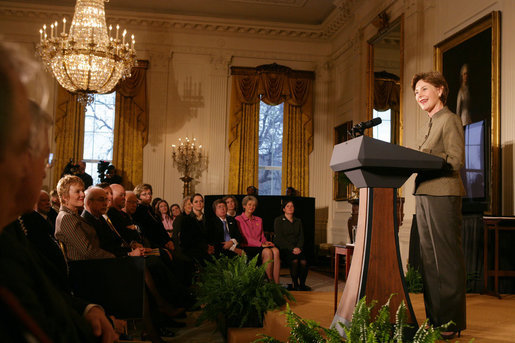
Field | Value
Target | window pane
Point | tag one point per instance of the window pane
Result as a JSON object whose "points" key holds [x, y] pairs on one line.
{"points": [[269, 181], [91, 169], [99, 132], [383, 131], [270, 149]]}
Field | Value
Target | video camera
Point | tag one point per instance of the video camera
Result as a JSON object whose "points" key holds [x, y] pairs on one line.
{"points": [[102, 167], [70, 168]]}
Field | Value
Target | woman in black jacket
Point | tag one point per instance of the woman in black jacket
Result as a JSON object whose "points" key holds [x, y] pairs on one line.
{"points": [[289, 238]]}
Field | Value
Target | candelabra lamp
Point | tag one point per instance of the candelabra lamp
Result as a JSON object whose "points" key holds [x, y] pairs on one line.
{"points": [[188, 158]]}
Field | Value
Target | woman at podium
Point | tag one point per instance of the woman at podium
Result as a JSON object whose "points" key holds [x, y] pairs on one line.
{"points": [[438, 206]]}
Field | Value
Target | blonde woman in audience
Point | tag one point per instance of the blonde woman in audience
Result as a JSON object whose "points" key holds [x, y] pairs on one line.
{"points": [[79, 238], [251, 228], [232, 205]]}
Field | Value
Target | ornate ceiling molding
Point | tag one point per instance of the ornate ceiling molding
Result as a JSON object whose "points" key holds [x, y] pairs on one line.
{"points": [[336, 20], [288, 3]]}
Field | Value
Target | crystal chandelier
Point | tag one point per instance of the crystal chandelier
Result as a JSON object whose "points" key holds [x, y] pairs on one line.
{"points": [[188, 158], [88, 59]]}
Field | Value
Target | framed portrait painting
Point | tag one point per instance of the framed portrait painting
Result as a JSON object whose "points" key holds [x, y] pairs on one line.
{"points": [[470, 61]]}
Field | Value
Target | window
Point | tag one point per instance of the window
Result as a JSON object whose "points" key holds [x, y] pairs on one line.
{"points": [[99, 132], [383, 131], [270, 149]]}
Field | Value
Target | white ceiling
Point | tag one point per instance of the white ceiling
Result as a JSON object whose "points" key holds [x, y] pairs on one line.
{"points": [[311, 12]]}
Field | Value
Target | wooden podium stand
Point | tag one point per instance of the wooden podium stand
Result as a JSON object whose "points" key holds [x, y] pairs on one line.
{"points": [[378, 169]]}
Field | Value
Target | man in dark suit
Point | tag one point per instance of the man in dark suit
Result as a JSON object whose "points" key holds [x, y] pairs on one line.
{"points": [[123, 221], [44, 208], [223, 232], [95, 206]]}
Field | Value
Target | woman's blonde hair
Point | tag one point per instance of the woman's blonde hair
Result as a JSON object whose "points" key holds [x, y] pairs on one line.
{"points": [[249, 198], [64, 184]]}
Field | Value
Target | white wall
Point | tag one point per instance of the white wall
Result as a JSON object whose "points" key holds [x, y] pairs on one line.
{"points": [[189, 86]]}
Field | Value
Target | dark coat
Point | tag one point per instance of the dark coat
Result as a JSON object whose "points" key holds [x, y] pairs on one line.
{"points": [[121, 221], [22, 273], [216, 234], [151, 228], [109, 241]]}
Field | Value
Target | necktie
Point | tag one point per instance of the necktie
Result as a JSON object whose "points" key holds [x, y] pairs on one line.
{"points": [[227, 236], [111, 226]]}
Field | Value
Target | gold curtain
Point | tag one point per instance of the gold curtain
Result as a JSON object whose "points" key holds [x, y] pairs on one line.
{"points": [[243, 133], [69, 131], [273, 84], [131, 126], [298, 136]]}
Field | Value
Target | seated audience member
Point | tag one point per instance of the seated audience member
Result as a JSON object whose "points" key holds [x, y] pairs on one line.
{"points": [[95, 206], [120, 214], [33, 308], [39, 233], [223, 231], [255, 243], [54, 200], [79, 238], [232, 205], [107, 188], [44, 208], [163, 213], [176, 211], [144, 217], [155, 209], [159, 281], [194, 239], [181, 221], [124, 224], [289, 238]]}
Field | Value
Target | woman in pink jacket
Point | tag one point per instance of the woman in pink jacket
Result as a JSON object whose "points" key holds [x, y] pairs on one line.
{"points": [[251, 228]]}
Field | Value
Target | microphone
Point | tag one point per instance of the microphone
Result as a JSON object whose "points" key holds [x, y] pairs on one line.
{"points": [[360, 127]]}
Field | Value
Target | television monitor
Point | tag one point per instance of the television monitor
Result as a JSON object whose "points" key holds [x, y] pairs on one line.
{"points": [[474, 171]]}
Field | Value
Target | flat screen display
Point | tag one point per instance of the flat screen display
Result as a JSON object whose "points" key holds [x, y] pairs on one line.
{"points": [[473, 173]]}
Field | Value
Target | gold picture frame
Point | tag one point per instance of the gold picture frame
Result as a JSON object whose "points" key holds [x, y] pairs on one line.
{"points": [[470, 59], [342, 188]]}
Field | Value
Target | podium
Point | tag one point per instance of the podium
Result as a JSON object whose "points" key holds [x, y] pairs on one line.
{"points": [[377, 168]]}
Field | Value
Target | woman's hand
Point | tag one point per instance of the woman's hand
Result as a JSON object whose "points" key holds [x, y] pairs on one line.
{"points": [[296, 251], [268, 244]]}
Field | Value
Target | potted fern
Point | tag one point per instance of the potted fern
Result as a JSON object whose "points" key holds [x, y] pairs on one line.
{"points": [[361, 329], [234, 292]]}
